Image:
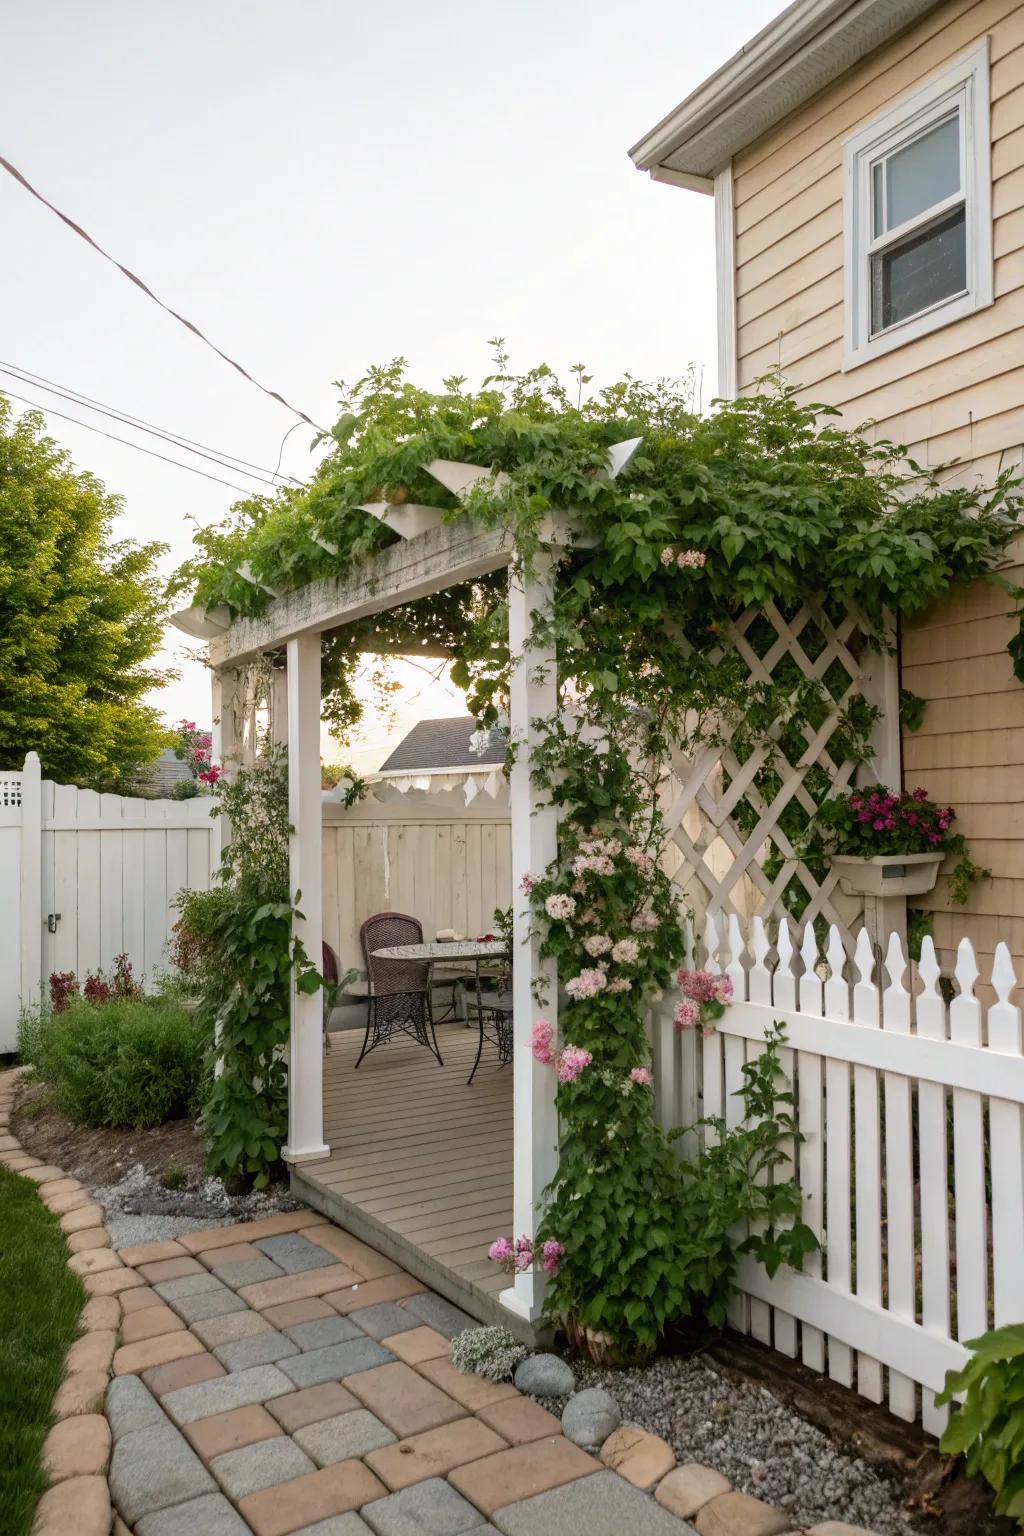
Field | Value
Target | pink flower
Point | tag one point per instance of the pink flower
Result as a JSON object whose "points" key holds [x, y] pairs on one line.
{"points": [[552, 1256], [668, 555], [692, 558], [571, 1063], [588, 917], [620, 984], [592, 864], [560, 907], [541, 1039], [597, 944], [523, 1254], [587, 984], [625, 952], [686, 1014], [644, 922], [698, 985], [500, 1251], [613, 847], [641, 860], [642, 1076], [722, 989], [211, 775], [527, 883]]}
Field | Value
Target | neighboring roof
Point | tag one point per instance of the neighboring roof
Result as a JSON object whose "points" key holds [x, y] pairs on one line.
{"points": [[167, 771], [440, 744], [809, 45]]}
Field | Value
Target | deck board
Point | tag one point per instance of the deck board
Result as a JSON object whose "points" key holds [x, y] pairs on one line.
{"points": [[420, 1162]]}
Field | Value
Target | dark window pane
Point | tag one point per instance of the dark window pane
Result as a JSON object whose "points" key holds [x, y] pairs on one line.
{"points": [[919, 272]]}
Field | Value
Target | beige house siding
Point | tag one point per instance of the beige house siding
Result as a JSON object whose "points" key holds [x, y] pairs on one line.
{"points": [[955, 393]]}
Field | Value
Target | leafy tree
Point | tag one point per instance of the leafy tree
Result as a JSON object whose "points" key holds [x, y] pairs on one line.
{"points": [[80, 615]]}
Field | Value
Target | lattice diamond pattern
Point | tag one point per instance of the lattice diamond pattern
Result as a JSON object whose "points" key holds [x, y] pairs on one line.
{"points": [[723, 867]]}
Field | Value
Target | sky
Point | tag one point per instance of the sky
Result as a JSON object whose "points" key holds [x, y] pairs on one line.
{"points": [[320, 185]]}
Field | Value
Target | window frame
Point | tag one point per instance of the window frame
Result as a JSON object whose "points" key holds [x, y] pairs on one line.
{"points": [[961, 87]]}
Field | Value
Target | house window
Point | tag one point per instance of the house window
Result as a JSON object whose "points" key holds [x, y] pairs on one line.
{"points": [[918, 212]]}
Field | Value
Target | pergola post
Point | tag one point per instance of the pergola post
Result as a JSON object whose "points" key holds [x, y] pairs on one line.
{"points": [[305, 1067], [279, 705], [223, 752], [533, 695]]}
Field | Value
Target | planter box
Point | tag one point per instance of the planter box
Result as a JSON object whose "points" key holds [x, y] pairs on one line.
{"points": [[887, 874]]}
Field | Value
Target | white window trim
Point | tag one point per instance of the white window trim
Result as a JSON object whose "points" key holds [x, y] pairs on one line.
{"points": [[919, 108]]}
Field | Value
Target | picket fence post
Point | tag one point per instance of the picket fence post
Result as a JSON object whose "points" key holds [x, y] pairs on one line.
{"points": [[31, 919]]}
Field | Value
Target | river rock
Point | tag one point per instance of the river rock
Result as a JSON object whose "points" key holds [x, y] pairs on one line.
{"points": [[545, 1376], [590, 1417]]}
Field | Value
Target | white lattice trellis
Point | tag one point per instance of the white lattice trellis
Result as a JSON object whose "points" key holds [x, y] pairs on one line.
{"points": [[724, 864]]}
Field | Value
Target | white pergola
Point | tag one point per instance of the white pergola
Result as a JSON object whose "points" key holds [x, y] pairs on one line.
{"points": [[429, 556]]}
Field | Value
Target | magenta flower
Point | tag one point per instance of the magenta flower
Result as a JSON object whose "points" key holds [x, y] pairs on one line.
{"points": [[500, 1251], [552, 1256]]}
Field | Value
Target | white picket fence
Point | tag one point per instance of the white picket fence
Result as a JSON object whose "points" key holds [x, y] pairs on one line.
{"points": [[902, 1101]]}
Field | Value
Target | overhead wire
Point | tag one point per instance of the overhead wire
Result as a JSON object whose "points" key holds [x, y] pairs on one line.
{"points": [[49, 410], [12, 170], [205, 450]]}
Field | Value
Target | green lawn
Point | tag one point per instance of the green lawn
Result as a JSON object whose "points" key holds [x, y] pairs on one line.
{"points": [[40, 1302]]}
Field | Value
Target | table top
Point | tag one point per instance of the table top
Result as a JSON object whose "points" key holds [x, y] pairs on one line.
{"points": [[468, 949]]}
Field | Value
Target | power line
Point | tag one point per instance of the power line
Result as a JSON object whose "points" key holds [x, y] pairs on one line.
{"points": [[83, 234], [48, 410], [73, 399], [78, 397]]}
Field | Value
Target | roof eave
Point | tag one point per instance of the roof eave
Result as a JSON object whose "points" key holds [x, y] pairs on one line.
{"points": [[804, 49]]}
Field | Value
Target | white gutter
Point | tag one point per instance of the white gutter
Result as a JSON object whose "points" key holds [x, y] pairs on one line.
{"points": [[808, 46]]}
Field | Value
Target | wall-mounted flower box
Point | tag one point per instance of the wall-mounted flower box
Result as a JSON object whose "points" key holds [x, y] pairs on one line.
{"points": [[887, 874]]}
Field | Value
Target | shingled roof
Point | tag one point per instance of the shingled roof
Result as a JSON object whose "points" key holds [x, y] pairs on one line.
{"points": [[435, 745]]}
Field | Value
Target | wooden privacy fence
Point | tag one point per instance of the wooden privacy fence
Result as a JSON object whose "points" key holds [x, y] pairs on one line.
{"points": [[911, 1165]]}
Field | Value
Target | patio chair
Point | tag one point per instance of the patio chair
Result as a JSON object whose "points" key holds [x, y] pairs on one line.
{"points": [[399, 997], [332, 976], [494, 1008]]}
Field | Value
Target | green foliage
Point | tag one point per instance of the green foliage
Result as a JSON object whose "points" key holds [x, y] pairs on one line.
{"points": [[650, 1239], [988, 1428], [243, 955], [121, 1064], [912, 710], [80, 617], [493, 1353], [40, 1303]]}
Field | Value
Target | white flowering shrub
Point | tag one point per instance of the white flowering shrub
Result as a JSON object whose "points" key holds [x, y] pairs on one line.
{"points": [[491, 1352]]}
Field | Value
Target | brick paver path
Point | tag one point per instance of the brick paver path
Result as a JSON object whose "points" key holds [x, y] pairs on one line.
{"points": [[283, 1379]]}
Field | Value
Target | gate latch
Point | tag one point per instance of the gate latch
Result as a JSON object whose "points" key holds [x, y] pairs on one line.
{"points": [[53, 918]]}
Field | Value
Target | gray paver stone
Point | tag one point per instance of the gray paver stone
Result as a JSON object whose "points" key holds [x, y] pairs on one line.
{"points": [[336, 1362], [603, 1504], [224, 1392], [254, 1467], [187, 1285], [337, 1525], [440, 1314], [249, 1272], [130, 1405], [545, 1376], [590, 1417], [384, 1319], [345, 1435], [324, 1331], [261, 1349], [229, 1326], [294, 1253], [211, 1515], [218, 1303], [154, 1467], [430, 1508]]}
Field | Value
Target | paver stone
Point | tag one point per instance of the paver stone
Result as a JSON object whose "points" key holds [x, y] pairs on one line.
{"points": [[82, 1392], [261, 1349], [432, 1508], [161, 1379], [367, 1293], [687, 1489], [294, 1253], [385, 1318], [92, 1352], [740, 1514], [254, 1467], [434, 1453], [154, 1467], [510, 1476], [79, 1504], [641, 1458], [228, 1431], [291, 1506], [130, 1405], [210, 1515], [519, 1420], [473, 1392], [336, 1362], [400, 1396], [417, 1345], [311, 1405], [228, 1326], [132, 1359], [344, 1436], [235, 1390], [149, 1323], [602, 1505], [77, 1447], [323, 1331], [440, 1314]]}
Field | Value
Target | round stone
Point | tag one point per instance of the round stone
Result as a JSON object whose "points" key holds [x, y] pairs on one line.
{"points": [[590, 1417], [545, 1376]]}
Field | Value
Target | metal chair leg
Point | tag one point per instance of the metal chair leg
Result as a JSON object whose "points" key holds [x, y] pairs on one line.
{"points": [[366, 1037]]}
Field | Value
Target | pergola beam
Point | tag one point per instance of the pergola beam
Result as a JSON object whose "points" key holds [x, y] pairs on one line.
{"points": [[411, 569]]}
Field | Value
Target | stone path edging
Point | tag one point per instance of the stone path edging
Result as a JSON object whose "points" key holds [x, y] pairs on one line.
{"points": [[282, 1378]]}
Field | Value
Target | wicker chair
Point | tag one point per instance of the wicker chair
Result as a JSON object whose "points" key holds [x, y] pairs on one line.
{"points": [[399, 1000]]}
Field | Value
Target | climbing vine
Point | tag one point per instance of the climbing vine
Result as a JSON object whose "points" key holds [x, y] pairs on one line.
{"points": [[764, 501]]}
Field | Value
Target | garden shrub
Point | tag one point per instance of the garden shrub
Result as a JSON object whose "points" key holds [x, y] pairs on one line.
{"points": [[490, 1352], [120, 1065], [988, 1427]]}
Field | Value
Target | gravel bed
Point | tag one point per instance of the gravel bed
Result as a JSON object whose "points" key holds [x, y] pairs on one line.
{"points": [[754, 1440], [140, 1209]]}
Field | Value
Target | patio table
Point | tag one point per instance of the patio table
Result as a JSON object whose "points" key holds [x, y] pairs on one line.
{"points": [[474, 950]]}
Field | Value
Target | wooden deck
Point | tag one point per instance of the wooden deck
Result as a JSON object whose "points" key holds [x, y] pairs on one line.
{"points": [[421, 1163]]}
